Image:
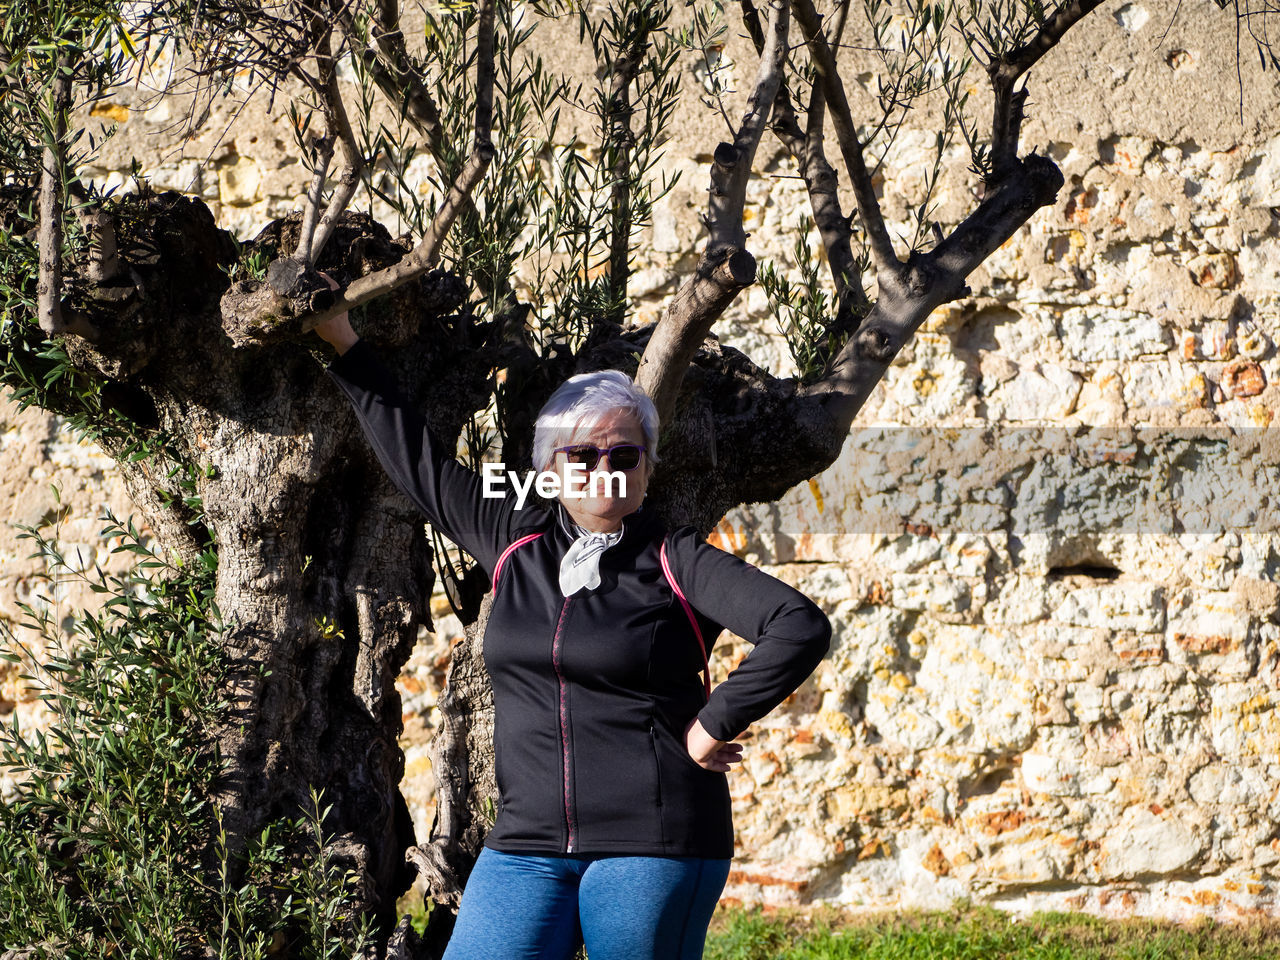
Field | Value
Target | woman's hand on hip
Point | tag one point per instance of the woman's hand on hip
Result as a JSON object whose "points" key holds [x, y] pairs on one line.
{"points": [[336, 331], [708, 752]]}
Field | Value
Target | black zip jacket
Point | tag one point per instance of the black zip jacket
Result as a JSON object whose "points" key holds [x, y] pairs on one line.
{"points": [[593, 694]]}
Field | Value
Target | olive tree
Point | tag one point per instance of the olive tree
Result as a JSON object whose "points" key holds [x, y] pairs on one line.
{"points": [[186, 354]]}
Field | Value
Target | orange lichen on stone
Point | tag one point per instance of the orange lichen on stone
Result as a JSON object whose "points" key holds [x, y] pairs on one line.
{"points": [[1002, 821], [728, 538], [409, 684], [1127, 899], [764, 880], [1201, 645], [1079, 205], [1244, 378], [1216, 270], [936, 862], [873, 848], [924, 383], [816, 490], [1142, 655]]}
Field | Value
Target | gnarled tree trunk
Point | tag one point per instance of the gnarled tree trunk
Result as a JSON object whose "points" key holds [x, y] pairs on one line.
{"points": [[323, 569]]}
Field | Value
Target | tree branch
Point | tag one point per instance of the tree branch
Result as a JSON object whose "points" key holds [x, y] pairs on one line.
{"points": [[315, 196], [931, 280], [888, 266], [617, 121], [731, 163], [393, 73], [821, 182], [391, 68], [725, 267], [716, 281], [1004, 71], [834, 227], [339, 125], [425, 255], [816, 112], [49, 237]]}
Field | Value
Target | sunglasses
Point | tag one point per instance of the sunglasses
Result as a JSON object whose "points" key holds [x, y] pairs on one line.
{"points": [[622, 456]]}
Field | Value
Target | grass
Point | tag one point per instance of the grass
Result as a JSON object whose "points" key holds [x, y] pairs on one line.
{"points": [[980, 934]]}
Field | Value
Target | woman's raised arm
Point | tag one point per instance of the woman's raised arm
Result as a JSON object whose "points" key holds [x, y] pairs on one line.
{"points": [[452, 497]]}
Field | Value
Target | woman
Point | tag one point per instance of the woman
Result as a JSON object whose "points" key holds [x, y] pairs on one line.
{"points": [[613, 820]]}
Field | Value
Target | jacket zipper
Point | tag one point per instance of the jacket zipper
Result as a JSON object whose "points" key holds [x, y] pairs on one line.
{"points": [[657, 763], [557, 645]]}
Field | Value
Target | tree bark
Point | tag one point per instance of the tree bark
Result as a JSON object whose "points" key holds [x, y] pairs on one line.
{"points": [[324, 571]]}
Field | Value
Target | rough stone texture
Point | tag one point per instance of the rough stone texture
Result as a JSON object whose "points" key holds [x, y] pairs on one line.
{"points": [[1050, 546]]}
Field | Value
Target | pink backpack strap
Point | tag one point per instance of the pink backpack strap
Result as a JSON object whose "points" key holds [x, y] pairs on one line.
{"points": [[688, 612], [497, 567]]}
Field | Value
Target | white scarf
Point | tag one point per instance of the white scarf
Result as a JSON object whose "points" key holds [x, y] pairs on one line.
{"points": [[580, 566]]}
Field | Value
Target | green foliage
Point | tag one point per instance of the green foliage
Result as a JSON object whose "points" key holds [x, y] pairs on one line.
{"points": [[705, 38], [993, 28], [914, 48], [87, 39], [602, 194], [52, 55], [19, 266], [417, 908], [39, 373], [488, 238], [559, 210], [109, 842], [977, 934], [37, 370], [251, 263], [803, 310]]}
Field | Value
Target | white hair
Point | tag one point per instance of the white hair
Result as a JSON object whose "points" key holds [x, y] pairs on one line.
{"points": [[585, 400]]}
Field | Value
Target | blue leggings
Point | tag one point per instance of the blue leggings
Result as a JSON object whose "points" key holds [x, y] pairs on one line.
{"points": [[519, 907]]}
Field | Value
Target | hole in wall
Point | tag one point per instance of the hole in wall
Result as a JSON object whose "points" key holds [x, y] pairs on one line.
{"points": [[1095, 571], [985, 784]]}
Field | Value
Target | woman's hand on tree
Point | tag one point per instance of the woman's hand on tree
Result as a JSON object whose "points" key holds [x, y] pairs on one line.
{"points": [[336, 331], [708, 752]]}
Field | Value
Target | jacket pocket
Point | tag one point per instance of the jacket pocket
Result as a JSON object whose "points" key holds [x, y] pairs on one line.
{"points": [[657, 765], [657, 786]]}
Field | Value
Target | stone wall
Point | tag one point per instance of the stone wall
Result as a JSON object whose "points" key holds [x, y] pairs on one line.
{"points": [[52, 482], [1049, 548]]}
